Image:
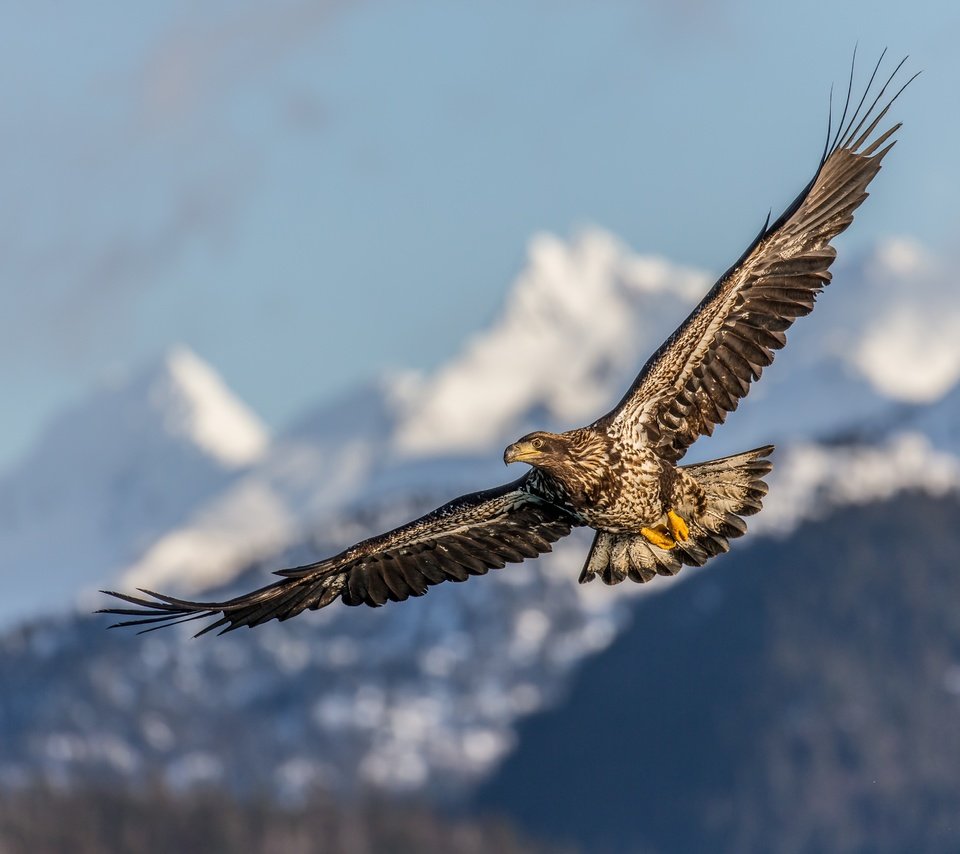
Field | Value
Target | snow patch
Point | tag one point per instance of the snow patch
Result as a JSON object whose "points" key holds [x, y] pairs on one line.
{"points": [[257, 516], [909, 330], [912, 356], [208, 551], [810, 480]]}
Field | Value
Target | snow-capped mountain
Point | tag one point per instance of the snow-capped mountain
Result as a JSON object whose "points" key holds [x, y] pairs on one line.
{"points": [[585, 314], [321, 465], [112, 474], [165, 481], [581, 318]]}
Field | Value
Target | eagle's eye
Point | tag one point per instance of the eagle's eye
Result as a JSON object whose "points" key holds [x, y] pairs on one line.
{"points": [[537, 443]]}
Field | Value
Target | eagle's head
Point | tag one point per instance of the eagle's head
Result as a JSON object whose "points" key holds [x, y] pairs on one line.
{"points": [[540, 449], [579, 459]]}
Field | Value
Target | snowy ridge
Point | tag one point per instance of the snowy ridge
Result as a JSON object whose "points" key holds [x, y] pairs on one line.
{"points": [[811, 480], [321, 465], [261, 513]]}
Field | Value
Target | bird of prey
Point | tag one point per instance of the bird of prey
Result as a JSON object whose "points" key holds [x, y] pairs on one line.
{"points": [[619, 475]]}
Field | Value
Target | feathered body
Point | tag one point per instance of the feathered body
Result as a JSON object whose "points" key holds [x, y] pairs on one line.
{"points": [[619, 475], [608, 484], [623, 490]]}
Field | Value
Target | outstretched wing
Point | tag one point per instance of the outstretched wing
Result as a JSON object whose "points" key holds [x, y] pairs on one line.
{"points": [[468, 536], [703, 370]]}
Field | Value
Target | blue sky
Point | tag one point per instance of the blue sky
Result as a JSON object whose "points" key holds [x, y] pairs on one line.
{"points": [[309, 193]]}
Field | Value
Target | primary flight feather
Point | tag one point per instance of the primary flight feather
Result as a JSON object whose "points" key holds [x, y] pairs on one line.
{"points": [[618, 475]]}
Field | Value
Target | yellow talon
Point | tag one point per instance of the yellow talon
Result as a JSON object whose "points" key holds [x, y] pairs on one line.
{"points": [[659, 536], [678, 527]]}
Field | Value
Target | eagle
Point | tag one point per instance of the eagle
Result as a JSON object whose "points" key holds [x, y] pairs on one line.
{"points": [[619, 475]]}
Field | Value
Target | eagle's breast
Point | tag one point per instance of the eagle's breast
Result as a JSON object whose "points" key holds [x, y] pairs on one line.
{"points": [[610, 485]]}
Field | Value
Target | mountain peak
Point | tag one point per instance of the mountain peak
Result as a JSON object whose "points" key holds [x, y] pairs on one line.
{"points": [[906, 322], [574, 325], [116, 470], [195, 403]]}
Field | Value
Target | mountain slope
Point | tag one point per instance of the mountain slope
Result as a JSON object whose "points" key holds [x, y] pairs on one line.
{"points": [[801, 696], [420, 697], [318, 467], [112, 474]]}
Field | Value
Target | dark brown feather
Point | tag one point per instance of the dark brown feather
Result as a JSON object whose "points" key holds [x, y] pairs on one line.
{"points": [[747, 311], [467, 536]]}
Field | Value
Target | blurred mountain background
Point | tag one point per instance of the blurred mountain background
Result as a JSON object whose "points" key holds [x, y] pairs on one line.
{"points": [[401, 235]]}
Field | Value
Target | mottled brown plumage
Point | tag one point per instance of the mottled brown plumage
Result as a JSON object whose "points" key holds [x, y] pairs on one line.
{"points": [[618, 475]]}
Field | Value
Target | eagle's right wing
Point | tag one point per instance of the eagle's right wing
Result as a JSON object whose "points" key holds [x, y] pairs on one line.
{"points": [[467, 536], [703, 370]]}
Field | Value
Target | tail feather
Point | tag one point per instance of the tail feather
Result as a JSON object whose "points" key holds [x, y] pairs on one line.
{"points": [[733, 488]]}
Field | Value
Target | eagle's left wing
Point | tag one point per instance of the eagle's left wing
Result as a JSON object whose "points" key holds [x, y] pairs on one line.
{"points": [[700, 373], [467, 536]]}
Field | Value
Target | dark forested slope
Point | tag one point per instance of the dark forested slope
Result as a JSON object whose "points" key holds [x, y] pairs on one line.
{"points": [[802, 695]]}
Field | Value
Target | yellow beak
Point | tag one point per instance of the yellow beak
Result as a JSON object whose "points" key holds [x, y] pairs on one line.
{"points": [[520, 452]]}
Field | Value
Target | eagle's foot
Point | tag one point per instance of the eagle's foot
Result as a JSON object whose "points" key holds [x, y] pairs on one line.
{"points": [[678, 527], [659, 535]]}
